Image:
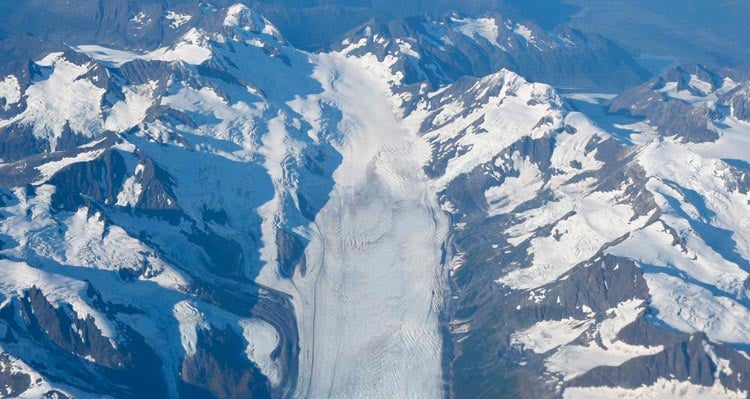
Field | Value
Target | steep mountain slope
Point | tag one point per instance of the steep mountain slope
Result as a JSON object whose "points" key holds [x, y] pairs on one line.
{"points": [[132, 241], [442, 50], [689, 101], [227, 216], [593, 266]]}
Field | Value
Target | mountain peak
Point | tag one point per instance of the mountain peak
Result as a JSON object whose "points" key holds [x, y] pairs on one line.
{"points": [[240, 18], [441, 49]]}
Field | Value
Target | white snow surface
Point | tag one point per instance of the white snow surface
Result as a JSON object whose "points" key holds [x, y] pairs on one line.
{"points": [[262, 339], [688, 307], [524, 32], [132, 188], [62, 99], [546, 335], [368, 304], [192, 49], [507, 117], [234, 14], [577, 238], [375, 257], [702, 281], [480, 27], [584, 220], [132, 110], [190, 319], [515, 190], [241, 16], [10, 91], [49, 169], [176, 19], [574, 359]]}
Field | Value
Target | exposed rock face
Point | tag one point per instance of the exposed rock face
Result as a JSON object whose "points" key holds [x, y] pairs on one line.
{"points": [[13, 382], [688, 101], [571, 299], [691, 359], [145, 274], [737, 101], [219, 369], [442, 50]]}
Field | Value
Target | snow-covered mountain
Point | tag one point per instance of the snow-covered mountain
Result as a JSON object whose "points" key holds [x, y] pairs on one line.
{"points": [[224, 215], [599, 264], [442, 50]]}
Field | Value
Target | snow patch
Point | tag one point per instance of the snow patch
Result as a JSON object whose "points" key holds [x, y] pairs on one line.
{"points": [[10, 91], [525, 33], [131, 188], [514, 190], [140, 19], [661, 389], [240, 16], [591, 98], [176, 19], [405, 47], [262, 340], [700, 85], [49, 169], [50, 59], [189, 319], [604, 348], [65, 98], [192, 49], [480, 27], [132, 110], [550, 334]]}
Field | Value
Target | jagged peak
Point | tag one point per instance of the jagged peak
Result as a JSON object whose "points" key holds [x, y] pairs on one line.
{"points": [[501, 84], [237, 23], [240, 18]]}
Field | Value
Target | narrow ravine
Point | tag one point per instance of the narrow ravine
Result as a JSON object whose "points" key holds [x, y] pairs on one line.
{"points": [[369, 304]]}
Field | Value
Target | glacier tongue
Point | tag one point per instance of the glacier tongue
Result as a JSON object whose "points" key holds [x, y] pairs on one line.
{"points": [[368, 306]]}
